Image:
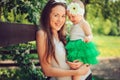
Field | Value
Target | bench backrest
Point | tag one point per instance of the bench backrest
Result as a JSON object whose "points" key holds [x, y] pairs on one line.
{"points": [[14, 33]]}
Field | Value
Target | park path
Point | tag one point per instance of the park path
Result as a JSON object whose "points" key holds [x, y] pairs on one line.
{"points": [[108, 68]]}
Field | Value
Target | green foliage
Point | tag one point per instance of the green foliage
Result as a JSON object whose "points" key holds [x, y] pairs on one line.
{"points": [[111, 10], [27, 69], [27, 9], [99, 23], [8, 74], [17, 74], [114, 31]]}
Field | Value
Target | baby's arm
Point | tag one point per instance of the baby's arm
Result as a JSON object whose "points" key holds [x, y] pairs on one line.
{"points": [[88, 32]]}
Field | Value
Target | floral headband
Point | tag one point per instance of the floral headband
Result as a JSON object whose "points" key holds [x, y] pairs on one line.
{"points": [[75, 8], [60, 1]]}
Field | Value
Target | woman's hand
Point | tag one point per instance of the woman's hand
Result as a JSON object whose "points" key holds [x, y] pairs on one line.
{"points": [[83, 70], [75, 64]]}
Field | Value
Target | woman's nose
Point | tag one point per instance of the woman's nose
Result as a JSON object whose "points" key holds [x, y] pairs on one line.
{"points": [[60, 19]]}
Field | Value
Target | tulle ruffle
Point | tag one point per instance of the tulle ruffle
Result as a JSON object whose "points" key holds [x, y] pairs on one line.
{"points": [[82, 51]]}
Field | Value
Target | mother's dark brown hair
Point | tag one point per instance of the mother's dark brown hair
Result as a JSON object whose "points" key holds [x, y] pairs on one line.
{"points": [[45, 26]]}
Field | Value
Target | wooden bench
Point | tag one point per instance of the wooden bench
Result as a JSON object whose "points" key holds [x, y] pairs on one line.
{"points": [[14, 33]]}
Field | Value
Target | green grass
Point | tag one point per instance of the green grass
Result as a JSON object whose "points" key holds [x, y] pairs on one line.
{"points": [[109, 46]]}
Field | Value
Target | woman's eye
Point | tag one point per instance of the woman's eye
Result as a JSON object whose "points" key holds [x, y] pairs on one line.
{"points": [[55, 15], [63, 16]]}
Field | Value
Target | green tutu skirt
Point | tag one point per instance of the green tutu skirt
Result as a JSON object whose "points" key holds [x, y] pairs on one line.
{"points": [[85, 52]]}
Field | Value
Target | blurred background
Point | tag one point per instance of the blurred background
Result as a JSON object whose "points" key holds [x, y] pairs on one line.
{"points": [[103, 17]]}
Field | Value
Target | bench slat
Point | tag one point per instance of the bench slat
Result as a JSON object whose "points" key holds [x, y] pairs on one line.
{"points": [[10, 63], [14, 33]]}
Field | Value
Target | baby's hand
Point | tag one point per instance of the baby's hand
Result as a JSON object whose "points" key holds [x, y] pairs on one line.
{"points": [[88, 38]]}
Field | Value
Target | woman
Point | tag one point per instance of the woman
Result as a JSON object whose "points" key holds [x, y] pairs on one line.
{"points": [[50, 41]]}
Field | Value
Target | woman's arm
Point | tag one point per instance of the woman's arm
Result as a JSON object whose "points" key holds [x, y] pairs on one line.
{"points": [[46, 67]]}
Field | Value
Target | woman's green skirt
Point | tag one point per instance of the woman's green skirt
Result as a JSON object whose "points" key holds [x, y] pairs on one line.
{"points": [[85, 52]]}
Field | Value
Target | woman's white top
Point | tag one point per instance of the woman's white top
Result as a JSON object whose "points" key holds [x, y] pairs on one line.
{"points": [[60, 54]]}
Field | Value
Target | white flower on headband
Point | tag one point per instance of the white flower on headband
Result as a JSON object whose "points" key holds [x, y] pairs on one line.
{"points": [[61, 1], [75, 8]]}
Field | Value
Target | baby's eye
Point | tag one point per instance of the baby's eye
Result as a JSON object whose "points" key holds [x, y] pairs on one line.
{"points": [[63, 16], [73, 16]]}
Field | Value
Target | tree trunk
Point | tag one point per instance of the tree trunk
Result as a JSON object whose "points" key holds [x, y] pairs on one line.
{"points": [[0, 12], [85, 4], [118, 24]]}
